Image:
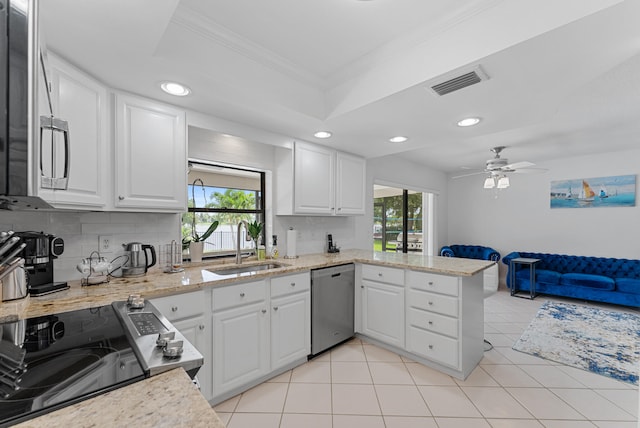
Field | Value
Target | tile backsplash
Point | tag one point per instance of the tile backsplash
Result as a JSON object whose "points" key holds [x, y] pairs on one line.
{"points": [[81, 230]]}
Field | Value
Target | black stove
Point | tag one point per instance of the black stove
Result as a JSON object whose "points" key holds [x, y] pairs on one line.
{"points": [[52, 361]]}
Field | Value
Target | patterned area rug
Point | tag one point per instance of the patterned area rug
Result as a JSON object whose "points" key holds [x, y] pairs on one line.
{"points": [[601, 341]]}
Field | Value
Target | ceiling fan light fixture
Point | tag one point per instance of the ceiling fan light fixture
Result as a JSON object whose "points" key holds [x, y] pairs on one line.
{"points": [[323, 134], [489, 183], [174, 88], [469, 121], [398, 139], [503, 182]]}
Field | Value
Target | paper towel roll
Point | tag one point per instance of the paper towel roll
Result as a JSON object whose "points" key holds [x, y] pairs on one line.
{"points": [[292, 236]]}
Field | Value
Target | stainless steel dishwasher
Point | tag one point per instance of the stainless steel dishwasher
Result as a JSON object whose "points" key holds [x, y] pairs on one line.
{"points": [[332, 298]]}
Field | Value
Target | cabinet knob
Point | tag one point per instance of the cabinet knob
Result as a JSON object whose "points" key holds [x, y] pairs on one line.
{"points": [[264, 311], [430, 322], [380, 274], [339, 209], [362, 286], [121, 197], [201, 326], [293, 284], [123, 366], [241, 294], [430, 303], [430, 282], [430, 346], [174, 309], [275, 308]]}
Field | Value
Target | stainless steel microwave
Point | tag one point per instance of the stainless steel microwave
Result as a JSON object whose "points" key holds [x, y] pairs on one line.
{"points": [[22, 130]]}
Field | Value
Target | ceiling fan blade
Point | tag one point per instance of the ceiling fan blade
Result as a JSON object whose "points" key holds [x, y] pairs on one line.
{"points": [[470, 174], [530, 170], [516, 165]]}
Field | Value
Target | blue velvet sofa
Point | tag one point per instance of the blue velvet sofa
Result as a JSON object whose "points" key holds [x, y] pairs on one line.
{"points": [[589, 278], [470, 252]]}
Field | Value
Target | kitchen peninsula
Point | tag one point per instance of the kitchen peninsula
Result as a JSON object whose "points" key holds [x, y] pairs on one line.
{"points": [[431, 291]]}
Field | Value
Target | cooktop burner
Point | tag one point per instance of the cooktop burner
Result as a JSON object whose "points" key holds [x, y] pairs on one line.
{"points": [[52, 361]]}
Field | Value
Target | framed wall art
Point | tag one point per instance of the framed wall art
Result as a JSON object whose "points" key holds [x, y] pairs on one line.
{"points": [[614, 191]]}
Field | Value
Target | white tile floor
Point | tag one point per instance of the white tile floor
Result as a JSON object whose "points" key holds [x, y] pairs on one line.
{"points": [[362, 385]]}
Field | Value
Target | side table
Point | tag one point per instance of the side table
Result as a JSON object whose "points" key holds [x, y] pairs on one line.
{"points": [[532, 275]]}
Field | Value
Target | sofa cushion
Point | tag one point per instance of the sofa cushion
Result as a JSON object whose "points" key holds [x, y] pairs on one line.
{"points": [[588, 280], [628, 285], [542, 275]]}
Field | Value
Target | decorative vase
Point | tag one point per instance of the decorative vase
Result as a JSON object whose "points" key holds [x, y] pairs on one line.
{"points": [[195, 251]]}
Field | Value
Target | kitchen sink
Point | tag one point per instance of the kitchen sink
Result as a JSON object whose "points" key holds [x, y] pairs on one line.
{"points": [[245, 270]]}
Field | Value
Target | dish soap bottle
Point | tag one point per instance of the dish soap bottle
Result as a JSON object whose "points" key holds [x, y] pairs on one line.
{"points": [[274, 247]]}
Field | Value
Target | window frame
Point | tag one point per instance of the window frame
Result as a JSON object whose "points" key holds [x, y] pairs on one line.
{"points": [[260, 210]]}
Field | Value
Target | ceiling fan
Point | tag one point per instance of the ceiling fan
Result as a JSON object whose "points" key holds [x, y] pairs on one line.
{"points": [[497, 169]]}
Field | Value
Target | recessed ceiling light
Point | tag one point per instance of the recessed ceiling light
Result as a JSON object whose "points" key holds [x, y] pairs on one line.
{"points": [[174, 88], [398, 139], [469, 121], [323, 134]]}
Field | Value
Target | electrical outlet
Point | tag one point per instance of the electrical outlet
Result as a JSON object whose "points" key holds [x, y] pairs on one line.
{"points": [[105, 244]]}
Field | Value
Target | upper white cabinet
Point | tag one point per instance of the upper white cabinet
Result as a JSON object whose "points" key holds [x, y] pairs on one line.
{"points": [[150, 155], [315, 180], [83, 103]]}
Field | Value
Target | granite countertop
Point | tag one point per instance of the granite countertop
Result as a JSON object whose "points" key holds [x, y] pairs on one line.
{"points": [[167, 400], [194, 277]]}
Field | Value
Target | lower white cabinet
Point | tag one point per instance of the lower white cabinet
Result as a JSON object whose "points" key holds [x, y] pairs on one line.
{"points": [[290, 319], [240, 344], [383, 312], [189, 314]]}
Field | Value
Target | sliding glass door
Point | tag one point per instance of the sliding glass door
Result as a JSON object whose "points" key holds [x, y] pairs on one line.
{"points": [[399, 218]]}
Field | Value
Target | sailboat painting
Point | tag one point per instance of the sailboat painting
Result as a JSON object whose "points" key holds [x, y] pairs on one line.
{"points": [[614, 191]]}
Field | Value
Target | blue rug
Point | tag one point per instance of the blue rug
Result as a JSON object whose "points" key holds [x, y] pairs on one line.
{"points": [[601, 341]]}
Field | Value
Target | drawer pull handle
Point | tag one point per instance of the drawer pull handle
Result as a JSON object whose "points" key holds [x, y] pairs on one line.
{"points": [[275, 308], [264, 311], [430, 322], [241, 294], [293, 284], [430, 303], [174, 309], [201, 326], [430, 346], [430, 282]]}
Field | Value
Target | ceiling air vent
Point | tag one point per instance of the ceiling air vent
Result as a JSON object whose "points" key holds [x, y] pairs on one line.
{"points": [[477, 75]]}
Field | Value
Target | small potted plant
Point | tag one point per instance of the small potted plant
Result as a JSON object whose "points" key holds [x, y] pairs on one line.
{"points": [[254, 230], [195, 242]]}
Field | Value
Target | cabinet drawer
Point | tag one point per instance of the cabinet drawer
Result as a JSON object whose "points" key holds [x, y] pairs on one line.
{"points": [[435, 347], [284, 285], [432, 282], [239, 294], [383, 274], [181, 306], [433, 302], [433, 322]]}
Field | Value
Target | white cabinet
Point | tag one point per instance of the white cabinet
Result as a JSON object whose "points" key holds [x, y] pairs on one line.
{"points": [[189, 313], [383, 305], [83, 103], [150, 156], [240, 336], [445, 320], [315, 180], [290, 319]]}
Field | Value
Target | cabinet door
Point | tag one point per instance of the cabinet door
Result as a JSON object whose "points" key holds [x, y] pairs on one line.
{"points": [[240, 346], [383, 312], [314, 184], [351, 177], [82, 102], [150, 156], [290, 329], [197, 331]]}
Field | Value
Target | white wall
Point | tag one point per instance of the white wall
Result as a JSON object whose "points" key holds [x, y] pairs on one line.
{"points": [[80, 232], [520, 219]]}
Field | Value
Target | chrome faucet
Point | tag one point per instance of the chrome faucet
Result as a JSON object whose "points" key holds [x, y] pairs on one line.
{"points": [[246, 228]]}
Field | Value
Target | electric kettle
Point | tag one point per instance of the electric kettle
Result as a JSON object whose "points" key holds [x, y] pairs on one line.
{"points": [[138, 259]]}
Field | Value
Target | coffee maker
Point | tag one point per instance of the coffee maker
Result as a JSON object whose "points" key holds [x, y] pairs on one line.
{"points": [[40, 251]]}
